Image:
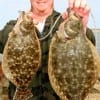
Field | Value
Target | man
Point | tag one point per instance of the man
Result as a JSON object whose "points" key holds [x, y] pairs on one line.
{"points": [[44, 16]]}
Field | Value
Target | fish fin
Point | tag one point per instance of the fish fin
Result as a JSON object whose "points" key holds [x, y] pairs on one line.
{"points": [[22, 94]]}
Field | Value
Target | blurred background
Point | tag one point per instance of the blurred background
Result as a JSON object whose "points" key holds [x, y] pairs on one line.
{"points": [[9, 10]]}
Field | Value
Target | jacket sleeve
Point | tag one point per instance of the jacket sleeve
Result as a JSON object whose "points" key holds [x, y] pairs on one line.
{"points": [[3, 39], [4, 34], [90, 36], [1, 44]]}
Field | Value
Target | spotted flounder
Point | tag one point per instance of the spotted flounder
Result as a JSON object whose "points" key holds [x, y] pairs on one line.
{"points": [[73, 61], [22, 56]]}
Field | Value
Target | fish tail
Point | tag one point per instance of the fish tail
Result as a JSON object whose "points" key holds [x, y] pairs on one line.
{"points": [[22, 94]]}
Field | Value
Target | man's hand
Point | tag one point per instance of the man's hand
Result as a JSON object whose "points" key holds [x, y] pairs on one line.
{"points": [[82, 8]]}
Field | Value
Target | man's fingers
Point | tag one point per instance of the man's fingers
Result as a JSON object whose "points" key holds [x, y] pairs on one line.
{"points": [[83, 3], [71, 3], [87, 9], [77, 4], [65, 15]]}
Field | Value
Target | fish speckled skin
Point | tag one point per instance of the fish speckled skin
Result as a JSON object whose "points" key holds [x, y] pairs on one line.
{"points": [[73, 61], [22, 56]]}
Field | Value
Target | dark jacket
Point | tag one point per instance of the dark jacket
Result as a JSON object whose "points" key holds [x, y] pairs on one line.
{"points": [[40, 84]]}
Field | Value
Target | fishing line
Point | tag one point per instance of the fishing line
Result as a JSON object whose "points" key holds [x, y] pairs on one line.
{"points": [[50, 32]]}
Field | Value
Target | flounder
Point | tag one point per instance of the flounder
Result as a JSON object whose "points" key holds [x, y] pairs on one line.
{"points": [[22, 57], [73, 60]]}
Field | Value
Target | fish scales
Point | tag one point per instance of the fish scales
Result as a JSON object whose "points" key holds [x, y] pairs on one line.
{"points": [[22, 56], [73, 61]]}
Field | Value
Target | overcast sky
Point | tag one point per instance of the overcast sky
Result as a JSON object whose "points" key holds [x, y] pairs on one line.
{"points": [[9, 10]]}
